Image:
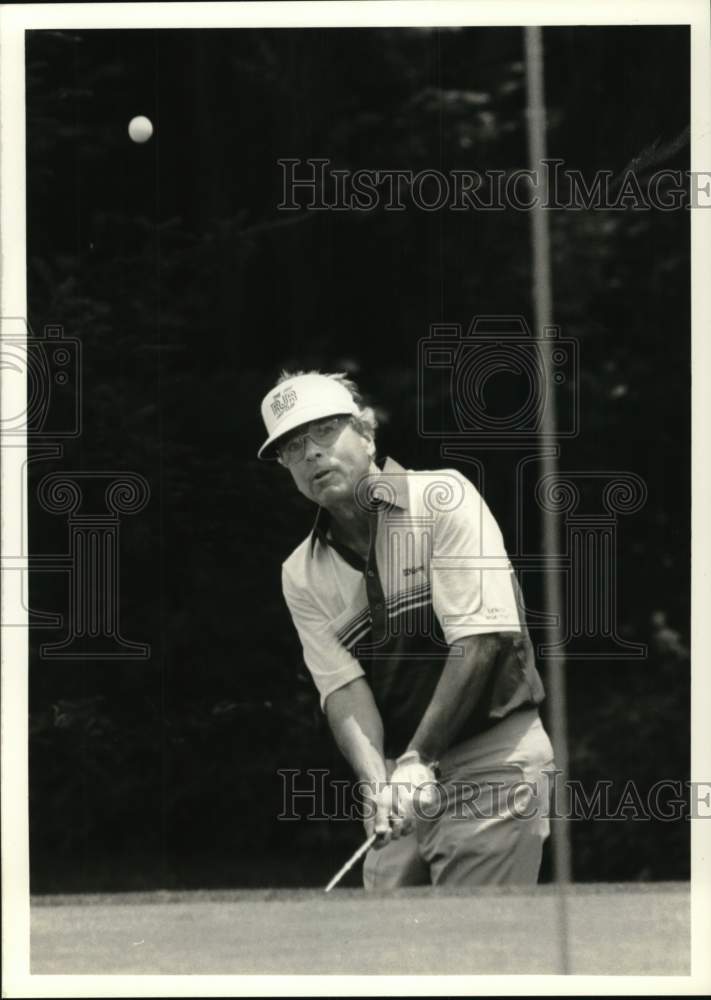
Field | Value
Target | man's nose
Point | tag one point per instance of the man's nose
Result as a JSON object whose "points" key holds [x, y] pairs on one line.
{"points": [[312, 448]]}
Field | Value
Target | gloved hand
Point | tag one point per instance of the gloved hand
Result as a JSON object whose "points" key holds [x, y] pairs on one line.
{"points": [[415, 785], [391, 807]]}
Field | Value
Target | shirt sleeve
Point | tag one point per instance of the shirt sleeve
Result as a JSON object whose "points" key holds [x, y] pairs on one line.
{"points": [[473, 586], [330, 664]]}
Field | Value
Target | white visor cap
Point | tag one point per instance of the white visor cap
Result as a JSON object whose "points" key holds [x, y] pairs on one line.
{"points": [[300, 400]]}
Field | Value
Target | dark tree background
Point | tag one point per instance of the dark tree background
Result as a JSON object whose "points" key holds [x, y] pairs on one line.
{"points": [[188, 290]]}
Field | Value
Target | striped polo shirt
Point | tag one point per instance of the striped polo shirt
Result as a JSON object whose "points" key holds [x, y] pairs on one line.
{"points": [[436, 572]]}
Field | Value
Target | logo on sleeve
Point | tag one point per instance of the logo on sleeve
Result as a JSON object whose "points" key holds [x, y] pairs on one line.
{"points": [[283, 401]]}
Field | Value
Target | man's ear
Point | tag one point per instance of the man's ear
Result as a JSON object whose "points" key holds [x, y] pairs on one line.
{"points": [[371, 448]]}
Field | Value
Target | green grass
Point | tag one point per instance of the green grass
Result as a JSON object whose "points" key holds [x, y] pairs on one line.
{"points": [[631, 929]]}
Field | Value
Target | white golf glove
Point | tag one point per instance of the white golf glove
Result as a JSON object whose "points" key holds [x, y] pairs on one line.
{"points": [[394, 805], [415, 789]]}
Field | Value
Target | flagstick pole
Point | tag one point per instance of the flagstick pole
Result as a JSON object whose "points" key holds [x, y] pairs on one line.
{"points": [[543, 317]]}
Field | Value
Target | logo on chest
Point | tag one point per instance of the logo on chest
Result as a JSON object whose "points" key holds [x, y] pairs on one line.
{"points": [[411, 570]]}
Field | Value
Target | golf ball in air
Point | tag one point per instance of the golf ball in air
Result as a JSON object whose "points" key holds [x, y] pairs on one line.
{"points": [[140, 128]]}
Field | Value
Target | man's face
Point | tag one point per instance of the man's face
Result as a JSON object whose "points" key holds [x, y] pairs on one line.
{"points": [[328, 474]]}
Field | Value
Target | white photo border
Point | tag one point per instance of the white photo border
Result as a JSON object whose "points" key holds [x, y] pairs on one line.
{"points": [[15, 20]]}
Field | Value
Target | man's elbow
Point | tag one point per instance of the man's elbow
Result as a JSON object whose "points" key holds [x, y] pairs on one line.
{"points": [[344, 695], [482, 649]]}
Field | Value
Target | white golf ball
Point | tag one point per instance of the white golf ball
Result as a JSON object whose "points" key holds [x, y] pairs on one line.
{"points": [[140, 128]]}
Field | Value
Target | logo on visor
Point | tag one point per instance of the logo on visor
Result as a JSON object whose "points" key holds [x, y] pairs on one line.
{"points": [[283, 401]]}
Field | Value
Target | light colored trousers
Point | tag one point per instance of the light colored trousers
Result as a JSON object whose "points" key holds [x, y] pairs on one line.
{"points": [[491, 819]]}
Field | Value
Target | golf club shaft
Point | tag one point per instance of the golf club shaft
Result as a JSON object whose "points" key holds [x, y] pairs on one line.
{"points": [[351, 861]]}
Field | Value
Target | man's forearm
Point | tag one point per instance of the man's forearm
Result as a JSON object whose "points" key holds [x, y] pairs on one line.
{"points": [[357, 727], [457, 692]]}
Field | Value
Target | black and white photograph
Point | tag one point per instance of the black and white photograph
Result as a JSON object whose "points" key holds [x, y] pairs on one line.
{"points": [[354, 426]]}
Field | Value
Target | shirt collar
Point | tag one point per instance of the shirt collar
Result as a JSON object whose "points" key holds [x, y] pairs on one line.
{"points": [[394, 480]]}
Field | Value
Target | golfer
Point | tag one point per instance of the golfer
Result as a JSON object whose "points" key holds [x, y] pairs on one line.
{"points": [[410, 620]]}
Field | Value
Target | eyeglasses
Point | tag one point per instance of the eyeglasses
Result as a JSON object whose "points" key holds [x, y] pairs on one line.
{"points": [[323, 432]]}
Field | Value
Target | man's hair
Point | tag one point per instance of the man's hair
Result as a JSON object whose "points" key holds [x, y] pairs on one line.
{"points": [[365, 421]]}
